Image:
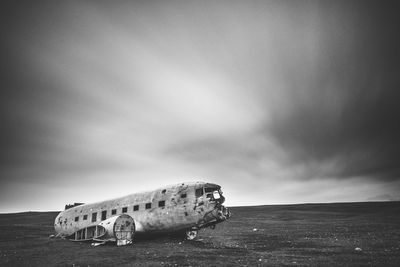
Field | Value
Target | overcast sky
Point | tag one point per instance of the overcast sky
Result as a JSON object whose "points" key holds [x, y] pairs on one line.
{"points": [[276, 101]]}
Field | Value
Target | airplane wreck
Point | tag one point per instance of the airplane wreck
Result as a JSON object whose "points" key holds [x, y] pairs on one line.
{"points": [[185, 207]]}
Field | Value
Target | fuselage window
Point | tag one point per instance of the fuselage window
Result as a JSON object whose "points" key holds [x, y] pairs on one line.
{"points": [[199, 192], [103, 215], [77, 218], [85, 217], [94, 216], [161, 203], [183, 195], [148, 206], [124, 209], [136, 207]]}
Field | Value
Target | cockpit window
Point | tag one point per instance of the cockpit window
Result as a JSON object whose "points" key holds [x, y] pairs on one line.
{"points": [[210, 189], [216, 195], [212, 193], [199, 192]]}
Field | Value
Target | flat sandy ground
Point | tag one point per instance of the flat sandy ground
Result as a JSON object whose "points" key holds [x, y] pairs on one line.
{"points": [[280, 235]]}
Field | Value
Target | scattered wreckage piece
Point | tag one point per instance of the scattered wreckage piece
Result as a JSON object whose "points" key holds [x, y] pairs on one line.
{"points": [[184, 207]]}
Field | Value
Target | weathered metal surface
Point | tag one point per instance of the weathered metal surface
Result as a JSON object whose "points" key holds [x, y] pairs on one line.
{"points": [[185, 206], [120, 227]]}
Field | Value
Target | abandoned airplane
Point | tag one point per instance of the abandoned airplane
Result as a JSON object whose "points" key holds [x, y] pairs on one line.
{"points": [[185, 207]]}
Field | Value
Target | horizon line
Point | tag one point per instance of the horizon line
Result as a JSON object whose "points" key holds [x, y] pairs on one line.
{"points": [[280, 204]]}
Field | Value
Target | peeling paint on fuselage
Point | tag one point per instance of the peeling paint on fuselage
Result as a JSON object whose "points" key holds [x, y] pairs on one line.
{"points": [[182, 210]]}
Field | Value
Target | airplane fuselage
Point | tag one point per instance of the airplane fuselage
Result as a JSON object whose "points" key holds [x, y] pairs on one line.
{"points": [[178, 207]]}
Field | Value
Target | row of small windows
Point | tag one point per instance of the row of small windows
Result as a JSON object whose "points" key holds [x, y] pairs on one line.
{"points": [[124, 210]]}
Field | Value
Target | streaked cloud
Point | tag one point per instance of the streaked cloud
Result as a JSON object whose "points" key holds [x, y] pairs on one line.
{"points": [[278, 101]]}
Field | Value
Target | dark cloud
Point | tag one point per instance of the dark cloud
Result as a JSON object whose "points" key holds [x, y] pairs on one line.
{"points": [[347, 110], [338, 103], [36, 110]]}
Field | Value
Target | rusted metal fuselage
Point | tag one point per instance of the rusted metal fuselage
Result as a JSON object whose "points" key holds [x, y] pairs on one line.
{"points": [[182, 207]]}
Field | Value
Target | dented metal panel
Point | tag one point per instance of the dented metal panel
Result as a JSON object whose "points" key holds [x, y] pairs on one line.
{"points": [[184, 206]]}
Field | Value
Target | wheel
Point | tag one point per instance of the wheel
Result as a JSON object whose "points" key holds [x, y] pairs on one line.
{"points": [[191, 234]]}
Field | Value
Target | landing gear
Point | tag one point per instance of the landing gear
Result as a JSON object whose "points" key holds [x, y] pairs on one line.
{"points": [[190, 234]]}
